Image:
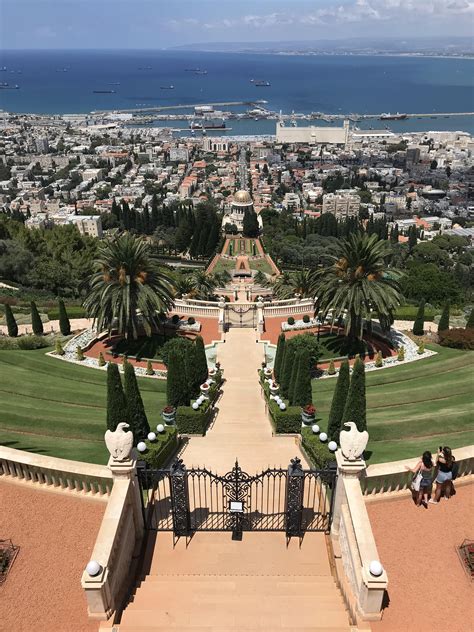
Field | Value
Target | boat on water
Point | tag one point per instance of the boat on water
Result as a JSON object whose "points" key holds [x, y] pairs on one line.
{"points": [[3, 69], [7, 86], [114, 83], [197, 71], [393, 117], [103, 91], [261, 84], [166, 87], [207, 123]]}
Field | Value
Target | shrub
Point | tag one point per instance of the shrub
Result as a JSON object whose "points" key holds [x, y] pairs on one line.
{"points": [[421, 348], [6, 344], [191, 320], [285, 421], [306, 318], [419, 324], [178, 344], [36, 323], [149, 368], [302, 393], [190, 421], [457, 338], [177, 386], [116, 402], [136, 415], [317, 451], [280, 352], [379, 360], [29, 343], [470, 320], [290, 320], [338, 402], [101, 360], [159, 451], [80, 354], [356, 407], [401, 354], [331, 368], [175, 319], [64, 324], [58, 348], [11, 322], [443, 324]]}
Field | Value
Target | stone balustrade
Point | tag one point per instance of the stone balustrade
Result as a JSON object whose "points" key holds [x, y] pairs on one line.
{"points": [[289, 309], [54, 473], [384, 478]]}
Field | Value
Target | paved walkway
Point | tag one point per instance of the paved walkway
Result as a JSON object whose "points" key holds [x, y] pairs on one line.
{"points": [[77, 324], [242, 429]]}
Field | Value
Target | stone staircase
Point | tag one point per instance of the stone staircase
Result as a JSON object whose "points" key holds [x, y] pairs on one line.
{"points": [[217, 585]]}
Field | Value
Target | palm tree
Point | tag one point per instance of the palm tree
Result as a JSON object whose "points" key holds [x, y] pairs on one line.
{"points": [[358, 283], [202, 285], [129, 288], [300, 282], [222, 278]]}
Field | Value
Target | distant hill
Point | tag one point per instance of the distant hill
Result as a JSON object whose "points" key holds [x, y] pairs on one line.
{"points": [[441, 46]]}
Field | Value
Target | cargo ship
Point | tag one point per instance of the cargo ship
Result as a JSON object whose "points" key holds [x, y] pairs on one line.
{"points": [[393, 117], [207, 123], [7, 86], [166, 87]]}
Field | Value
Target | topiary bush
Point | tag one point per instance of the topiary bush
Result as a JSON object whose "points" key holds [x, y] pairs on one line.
{"points": [[290, 320], [331, 368], [149, 368], [11, 322], [457, 338], [29, 343], [191, 320], [316, 450], [401, 354], [306, 318], [58, 348], [421, 348], [419, 324], [175, 319], [190, 421], [101, 360], [159, 451], [80, 354], [36, 322], [379, 360]]}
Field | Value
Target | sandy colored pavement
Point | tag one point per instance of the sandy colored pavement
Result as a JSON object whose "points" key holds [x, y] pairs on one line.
{"points": [[56, 534], [428, 588], [242, 429]]}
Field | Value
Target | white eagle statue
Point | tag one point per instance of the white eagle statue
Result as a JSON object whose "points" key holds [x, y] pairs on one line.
{"points": [[120, 442], [353, 442]]}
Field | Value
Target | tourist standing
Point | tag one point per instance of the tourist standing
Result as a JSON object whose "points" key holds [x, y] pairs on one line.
{"points": [[444, 478], [423, 478]]}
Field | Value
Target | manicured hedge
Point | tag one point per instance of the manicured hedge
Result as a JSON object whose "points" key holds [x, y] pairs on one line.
{"points": [[159, 451], [283, 421], [190, 421], [316, 450]]}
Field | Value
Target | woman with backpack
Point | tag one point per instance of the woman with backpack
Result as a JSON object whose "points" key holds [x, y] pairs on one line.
{"points": [[446, 474], [422, 481]]}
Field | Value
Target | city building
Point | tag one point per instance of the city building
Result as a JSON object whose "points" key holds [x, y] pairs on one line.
{"points": [[341, 205]]}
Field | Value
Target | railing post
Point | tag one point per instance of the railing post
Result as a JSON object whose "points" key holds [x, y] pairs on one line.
{"points": [[294, 498], [179, 498], [345, 469]]}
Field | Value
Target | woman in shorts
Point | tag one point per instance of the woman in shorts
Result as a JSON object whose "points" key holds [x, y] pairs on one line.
{"points": [[444, 478]]}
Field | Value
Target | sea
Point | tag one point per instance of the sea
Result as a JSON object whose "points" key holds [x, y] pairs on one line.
{"points": [[59, 82]]}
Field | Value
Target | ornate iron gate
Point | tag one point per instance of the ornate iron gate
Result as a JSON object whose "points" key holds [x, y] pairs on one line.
{"points": [[292, 500], [240, 315]]}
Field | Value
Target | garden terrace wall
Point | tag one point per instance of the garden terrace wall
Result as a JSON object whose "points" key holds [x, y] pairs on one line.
{"points": [[384, 478], [54, 473]]}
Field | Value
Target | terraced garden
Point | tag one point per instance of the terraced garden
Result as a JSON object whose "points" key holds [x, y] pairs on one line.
{"points": [[414, 407], [58, 409]]}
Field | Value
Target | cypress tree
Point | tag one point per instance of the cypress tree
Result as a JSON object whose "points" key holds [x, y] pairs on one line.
{"points": [[470, 320], [338, 402], [294, 377], [36, 323], [302, 393], [64, 324], [443, 324], [177, 388], [136, 414], [201, 360], [11, 322], [287, 368], [116, 402], [419, 324], [356, 408], [280, 352]]}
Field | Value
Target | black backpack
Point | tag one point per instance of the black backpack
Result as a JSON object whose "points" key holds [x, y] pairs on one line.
{"points": [[455, 470]]}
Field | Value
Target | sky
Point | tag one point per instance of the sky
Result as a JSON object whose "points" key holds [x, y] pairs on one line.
{"points": [[149, 24]]}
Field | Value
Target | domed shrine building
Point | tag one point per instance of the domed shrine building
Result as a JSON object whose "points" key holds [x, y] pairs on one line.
{"points": [[241, 203]]}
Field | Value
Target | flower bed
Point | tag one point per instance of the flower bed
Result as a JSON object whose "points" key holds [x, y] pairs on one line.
{"points": [[299, 324]]}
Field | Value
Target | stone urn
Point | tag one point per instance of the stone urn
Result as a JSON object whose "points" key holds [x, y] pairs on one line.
{"points": [[205, 388], [274, 388], [267, 372], [308, 415], [168, 415]]}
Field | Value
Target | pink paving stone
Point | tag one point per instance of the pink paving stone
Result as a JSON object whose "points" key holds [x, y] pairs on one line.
{"points": [[428, 588], [56, 533]]}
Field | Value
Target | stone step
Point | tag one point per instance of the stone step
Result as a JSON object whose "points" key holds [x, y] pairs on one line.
{"points": [[220, 628]]}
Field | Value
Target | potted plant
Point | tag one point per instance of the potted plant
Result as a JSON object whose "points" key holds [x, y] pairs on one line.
{"points": [[267, 371], [168, 414], [308, 414], [212, 372], [204, 388], [274, 388]]}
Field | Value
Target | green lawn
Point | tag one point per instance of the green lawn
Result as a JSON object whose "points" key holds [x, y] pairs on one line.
{"points": [[262, 265], [57, 408], [224, 264], [414, 407]]}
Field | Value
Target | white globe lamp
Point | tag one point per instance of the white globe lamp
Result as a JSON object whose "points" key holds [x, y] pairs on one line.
{"points": [[282, 406], [195, 405], [315, 428], [141, 447], [375, 568], [151, 436], [93, 568], [323, 437], [332, 445], [160, 428]]}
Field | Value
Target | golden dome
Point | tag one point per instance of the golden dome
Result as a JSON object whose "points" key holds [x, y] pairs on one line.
{"points": [[242, 197]]}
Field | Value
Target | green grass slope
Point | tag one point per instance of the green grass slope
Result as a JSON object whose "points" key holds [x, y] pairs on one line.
{"points": [[57, 408], [414, 407]]}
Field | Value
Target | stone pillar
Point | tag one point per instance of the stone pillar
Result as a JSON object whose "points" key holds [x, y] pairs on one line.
{"points": [[128, 470], [221, 318], [345, 469], [371, 595], [260, 317]]}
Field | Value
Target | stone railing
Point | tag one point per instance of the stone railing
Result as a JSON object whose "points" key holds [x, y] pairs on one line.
{"points": [[300, 307], [385, 478], [117, 546], [354, 545], [55, 474]]}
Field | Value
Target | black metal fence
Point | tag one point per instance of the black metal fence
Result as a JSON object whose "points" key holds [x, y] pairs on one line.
{"points": [[292, 500]]}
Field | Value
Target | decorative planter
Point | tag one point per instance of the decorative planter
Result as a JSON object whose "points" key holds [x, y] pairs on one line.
{"points": [[274, 388], [267, 372], [169, 416], [212, 372], [307, 419], [204, 388]]}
